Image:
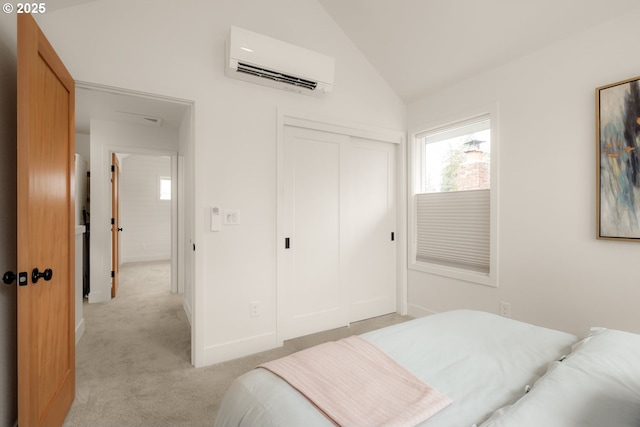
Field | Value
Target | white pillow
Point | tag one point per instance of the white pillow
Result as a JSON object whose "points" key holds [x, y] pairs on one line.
{"points": [[597, 385]]}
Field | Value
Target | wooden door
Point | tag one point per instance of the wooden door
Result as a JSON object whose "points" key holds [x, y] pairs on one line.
{"points": [[45, 230], [115, 223]]}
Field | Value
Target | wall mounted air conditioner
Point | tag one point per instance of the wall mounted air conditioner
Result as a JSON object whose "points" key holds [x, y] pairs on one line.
{"points": [[264, 60]]}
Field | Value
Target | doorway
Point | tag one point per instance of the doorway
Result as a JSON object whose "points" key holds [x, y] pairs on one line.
{"points": [[144, 211], [137, 127]]}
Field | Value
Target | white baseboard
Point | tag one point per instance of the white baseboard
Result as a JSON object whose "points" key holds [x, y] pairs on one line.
{"points": [[187, 310], [234, 349], [146, 258], [101, 296], [417, 311]]}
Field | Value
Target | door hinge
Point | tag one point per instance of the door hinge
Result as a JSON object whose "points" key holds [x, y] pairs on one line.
{"points": [[88, 174], [113, 221], [113, 273], [113, 168]]}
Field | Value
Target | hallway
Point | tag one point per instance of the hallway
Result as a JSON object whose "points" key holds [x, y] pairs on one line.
{"points": [[131, 351]]}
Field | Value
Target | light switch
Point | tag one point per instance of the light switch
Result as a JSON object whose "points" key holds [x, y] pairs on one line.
{"points": [[231, 217]]}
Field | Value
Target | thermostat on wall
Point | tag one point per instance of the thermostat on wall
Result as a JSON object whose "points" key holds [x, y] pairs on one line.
{"points": [[215, 219]]}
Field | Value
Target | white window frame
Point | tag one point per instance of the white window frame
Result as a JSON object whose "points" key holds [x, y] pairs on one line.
{"points": [[165, 178], [415, 177]]}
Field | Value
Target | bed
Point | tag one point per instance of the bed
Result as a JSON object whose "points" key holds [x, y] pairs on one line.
{"points": [[497, 372]]}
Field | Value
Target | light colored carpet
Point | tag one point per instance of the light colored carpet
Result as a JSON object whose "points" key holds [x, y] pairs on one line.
{"points": [[133, 362]]}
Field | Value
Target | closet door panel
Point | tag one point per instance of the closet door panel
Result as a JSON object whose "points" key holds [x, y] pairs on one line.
{"points": [[315, 297], [369, 252]]}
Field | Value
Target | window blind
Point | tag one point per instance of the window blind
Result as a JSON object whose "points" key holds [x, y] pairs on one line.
{"points": [[453, 229]]}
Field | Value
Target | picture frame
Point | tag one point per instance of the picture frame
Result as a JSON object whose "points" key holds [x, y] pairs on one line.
{"points": [[618, 160]]}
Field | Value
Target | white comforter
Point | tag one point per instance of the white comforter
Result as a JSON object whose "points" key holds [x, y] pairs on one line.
{"points": [[481, 361]]}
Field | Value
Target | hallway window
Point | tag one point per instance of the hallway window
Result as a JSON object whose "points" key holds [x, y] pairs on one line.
{"points": [[165, 188]]}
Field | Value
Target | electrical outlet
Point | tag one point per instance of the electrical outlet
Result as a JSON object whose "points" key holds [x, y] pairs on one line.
{"points": [[505, 309], [254, 308]]}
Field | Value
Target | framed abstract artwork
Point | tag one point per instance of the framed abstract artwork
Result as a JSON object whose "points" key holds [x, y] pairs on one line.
{"points": [[618, 160]]}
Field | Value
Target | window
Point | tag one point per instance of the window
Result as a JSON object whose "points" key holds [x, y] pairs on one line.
{"points": [[454, 203], [165, 188], [457, 158]]}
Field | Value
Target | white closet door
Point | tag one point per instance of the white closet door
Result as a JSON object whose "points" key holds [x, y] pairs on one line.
{"points": [[314, 297], [370, 253], [338, 214]]}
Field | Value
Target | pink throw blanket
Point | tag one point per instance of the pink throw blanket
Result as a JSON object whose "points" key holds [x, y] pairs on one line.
{"points": [[357, 385]]}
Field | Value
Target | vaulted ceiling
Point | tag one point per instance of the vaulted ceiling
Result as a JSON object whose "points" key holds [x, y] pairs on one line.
{"points": [[419, 46]]}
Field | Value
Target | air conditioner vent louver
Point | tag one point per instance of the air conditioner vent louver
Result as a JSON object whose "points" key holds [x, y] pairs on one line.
{"points": [[276, 76], [256, 58]]}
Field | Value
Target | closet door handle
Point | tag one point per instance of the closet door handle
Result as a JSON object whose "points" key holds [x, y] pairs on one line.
{"points": [[287, 243]]}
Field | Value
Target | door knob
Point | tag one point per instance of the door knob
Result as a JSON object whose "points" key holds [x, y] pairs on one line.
{"points": [[9, 277], [36, 275], [119, 228]]}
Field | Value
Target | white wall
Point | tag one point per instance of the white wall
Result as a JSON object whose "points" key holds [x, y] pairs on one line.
{"points": [[551, 268], [177, 49], [83, 146], [107, 137], [8, 344], [144, 218]]}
